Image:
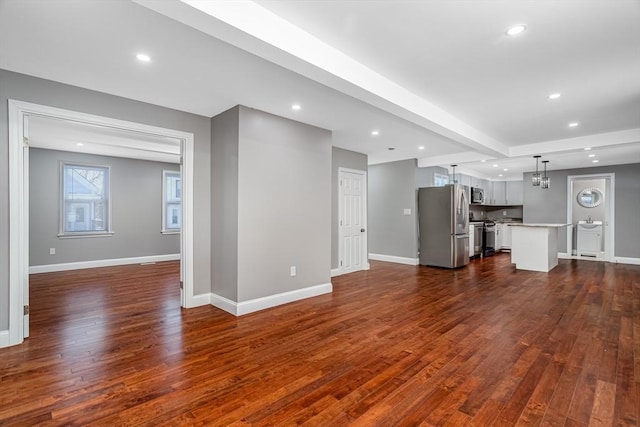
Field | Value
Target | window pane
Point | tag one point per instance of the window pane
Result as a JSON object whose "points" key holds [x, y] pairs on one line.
{"points": [[172, 191], [85, 193]]}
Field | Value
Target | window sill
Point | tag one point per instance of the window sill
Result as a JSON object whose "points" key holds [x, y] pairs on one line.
{"points": [[170, 231], [81, 235]]}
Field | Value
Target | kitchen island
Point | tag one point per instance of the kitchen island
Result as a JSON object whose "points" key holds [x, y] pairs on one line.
{"points": [[535, 246]]}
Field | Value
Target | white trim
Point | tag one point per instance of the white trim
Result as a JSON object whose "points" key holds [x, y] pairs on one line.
{"points": [[364, 208], [201, 299], [4, 338], [49, 268], [224, 304], [336, 272], [19, 113], [257, 304], [396, 259], [610, 201], [564, 255], [626, 260]]}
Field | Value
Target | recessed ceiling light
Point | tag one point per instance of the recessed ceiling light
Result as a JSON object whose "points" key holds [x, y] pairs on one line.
{"points": [[595, 161], [500, 174], [573, 124], [143, 57], [587, 149], [515, 30], [505, 170], [483, 161], [375, 132], [79, 144], [495, 166], [591, 155], [421, 148], [296, 107], [554, 95]]}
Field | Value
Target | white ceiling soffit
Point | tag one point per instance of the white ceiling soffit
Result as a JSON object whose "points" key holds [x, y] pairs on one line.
{"points": [[65, 135], [253, 28]]}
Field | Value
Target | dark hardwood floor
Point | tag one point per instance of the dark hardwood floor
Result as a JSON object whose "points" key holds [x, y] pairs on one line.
{"points": [[396, 345]]}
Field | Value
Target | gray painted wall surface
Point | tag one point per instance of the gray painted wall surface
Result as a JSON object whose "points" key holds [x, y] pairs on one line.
{"points": [[30, 89], [284, 205], [551, 205], [224, 204], [136, 210], [341, 158], [391, 190]]}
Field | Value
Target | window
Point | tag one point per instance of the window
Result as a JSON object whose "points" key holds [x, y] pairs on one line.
{"points": [[440, 180], [85, 200], [171, 197]]}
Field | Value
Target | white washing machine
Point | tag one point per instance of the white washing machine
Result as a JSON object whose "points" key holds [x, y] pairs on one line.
{"points": [[589, 238]]}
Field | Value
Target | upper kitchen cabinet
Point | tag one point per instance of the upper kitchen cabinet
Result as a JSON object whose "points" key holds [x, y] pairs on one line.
{"points": [[499, 193], [514, 192]]}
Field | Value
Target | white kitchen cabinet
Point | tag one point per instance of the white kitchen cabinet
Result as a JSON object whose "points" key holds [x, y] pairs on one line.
{"points": [[506, 236], [499, 193], [514, 193], [472, 230], [498, 237], [488, 192]]}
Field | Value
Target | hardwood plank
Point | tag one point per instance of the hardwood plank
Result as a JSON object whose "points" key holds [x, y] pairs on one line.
{"points": [[395, 345]]}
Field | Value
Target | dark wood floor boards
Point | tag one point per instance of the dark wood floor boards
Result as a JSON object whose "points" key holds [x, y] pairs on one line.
{"points": [[396, 345]]}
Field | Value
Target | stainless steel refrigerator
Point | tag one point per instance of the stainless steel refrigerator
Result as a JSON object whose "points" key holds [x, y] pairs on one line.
{"points": [[444, 226]]}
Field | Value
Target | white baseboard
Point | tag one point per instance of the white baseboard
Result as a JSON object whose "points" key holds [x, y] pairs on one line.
{"points": [[200, 300], [250, 306], [335, 272], [34, 269], [564, 255], [626, 260], [4, 338], [396, 259]]}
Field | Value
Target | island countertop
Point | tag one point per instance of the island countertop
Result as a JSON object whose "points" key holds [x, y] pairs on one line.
{"points": [[539, 225]]}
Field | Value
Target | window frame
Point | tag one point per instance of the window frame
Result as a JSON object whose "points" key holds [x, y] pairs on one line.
{"points": [[108, 231], [438, 178], [165, 203]]}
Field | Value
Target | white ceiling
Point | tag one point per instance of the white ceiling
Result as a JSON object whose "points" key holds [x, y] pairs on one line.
{"points": [[439, 74]]}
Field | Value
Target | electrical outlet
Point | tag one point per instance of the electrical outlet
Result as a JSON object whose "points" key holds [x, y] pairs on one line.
{"points": [[293, 270], [407, 211], [504, 213], [52, 251]]}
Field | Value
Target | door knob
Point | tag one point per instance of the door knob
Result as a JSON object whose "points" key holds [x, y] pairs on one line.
{"points": [[362, 230]]}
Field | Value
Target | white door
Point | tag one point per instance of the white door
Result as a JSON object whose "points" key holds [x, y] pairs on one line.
{"points": [[352, 215]]}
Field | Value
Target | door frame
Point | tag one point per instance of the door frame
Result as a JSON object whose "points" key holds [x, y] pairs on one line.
{"points": [[19, 113], [610, 185], [365, 251]]}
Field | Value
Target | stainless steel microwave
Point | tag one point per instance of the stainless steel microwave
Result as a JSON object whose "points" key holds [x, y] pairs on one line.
{"points": [[477, 195]]}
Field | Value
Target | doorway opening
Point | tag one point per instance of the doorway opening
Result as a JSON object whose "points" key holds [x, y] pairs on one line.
{"points": [[172, 143], [591, 213]]}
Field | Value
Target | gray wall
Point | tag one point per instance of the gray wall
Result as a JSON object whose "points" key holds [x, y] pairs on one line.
{"points": [[391, 190], [280, 215], [550, 205], [30, 89], [136, 210], [224, 203], [341, 158], [284, 205]]}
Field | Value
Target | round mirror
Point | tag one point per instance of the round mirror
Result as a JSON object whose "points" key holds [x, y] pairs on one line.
{"points": [[590, 197]]}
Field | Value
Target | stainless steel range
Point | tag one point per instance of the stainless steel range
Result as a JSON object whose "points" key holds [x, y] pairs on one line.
{"points": [[489, 238]]}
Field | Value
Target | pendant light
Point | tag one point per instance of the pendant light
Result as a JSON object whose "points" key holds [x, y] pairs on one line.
{"points": [[544, 182], [535, 178], [454, 174]]}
